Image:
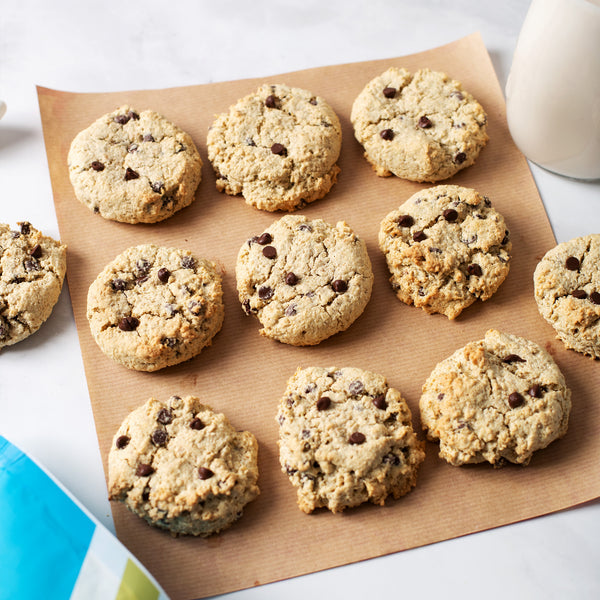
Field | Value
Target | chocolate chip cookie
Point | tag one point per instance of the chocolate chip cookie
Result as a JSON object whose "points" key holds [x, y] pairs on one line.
{"points": [[498, 399], [153, 307], [277, 147], [304, 280], [32, 270], [346, 437], [422, 126], [134, 167], [445, 247], [183, 467], [567, 292]]}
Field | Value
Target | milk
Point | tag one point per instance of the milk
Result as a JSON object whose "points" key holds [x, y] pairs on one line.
{"points": [[553, 89]]}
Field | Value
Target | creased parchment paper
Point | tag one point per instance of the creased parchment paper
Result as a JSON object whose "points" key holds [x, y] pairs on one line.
{"points": [[244, 375]]}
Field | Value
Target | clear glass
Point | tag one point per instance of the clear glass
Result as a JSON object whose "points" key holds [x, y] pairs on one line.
{"points": [[553, 89]]}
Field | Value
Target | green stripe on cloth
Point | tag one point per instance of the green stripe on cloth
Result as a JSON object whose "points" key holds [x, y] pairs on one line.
{"points": [[135, 585]]}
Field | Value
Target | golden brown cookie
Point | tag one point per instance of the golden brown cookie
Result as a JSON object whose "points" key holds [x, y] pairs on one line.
{"points": [[422, 126], [153, 307], [134, 167], [498, 399], [277, 147], [183, 467], [346, 437]]}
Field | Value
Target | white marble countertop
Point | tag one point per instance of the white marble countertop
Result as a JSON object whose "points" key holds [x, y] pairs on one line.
{"points": [[144, 44]]}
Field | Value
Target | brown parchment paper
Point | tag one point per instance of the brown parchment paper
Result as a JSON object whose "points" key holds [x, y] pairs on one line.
{"points": [[244, 374]]}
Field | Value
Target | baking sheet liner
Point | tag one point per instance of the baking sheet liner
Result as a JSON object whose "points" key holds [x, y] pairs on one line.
{"points": [[244, 374]]}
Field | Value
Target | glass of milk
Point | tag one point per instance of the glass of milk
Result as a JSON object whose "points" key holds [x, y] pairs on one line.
{"points": [[553, 89]]}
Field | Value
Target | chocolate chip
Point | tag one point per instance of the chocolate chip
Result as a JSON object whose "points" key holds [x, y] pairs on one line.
{"points": [[387, 134], [159, 437], [169, 342], [196, 424], [304, 227], [269, 252], [391, 458], [515, 400], [595, 297], [118, 285], [572, 263], [357, 438], [165, 416], [535, 391], [264, 239], [379, 402], [278, 149], [143, 266], [290, 311], [339, 286], [144, 470], [291, 278], [424, 123], [97, 165], [158, 187], [163, 275], [271, 101], [196, 307], [145, 495], [130, 174], [132, 148], [419, 236], [475, 269], [133, 115], [579, 294], [122, 441], [356, 387], [389, 92], [457, 95], [249, 142], [148, 137], [36, 251], [405, 221], [265, 292], [440, 396], [25, 228], [188, 262], [205, 473], [460, 158], [31, 265], [313, 101], [450, 215], [121, 119], [128, 323], [323, 403], [511, 358]]}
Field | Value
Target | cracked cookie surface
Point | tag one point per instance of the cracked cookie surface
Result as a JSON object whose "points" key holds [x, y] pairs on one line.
{"points": [[445, 247], [304, 280], [498, 399], [153, 307], [346, 437], [32, 271], [422, 126], [277, 147], [567, 292], [134, 167], [181, 466]]}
